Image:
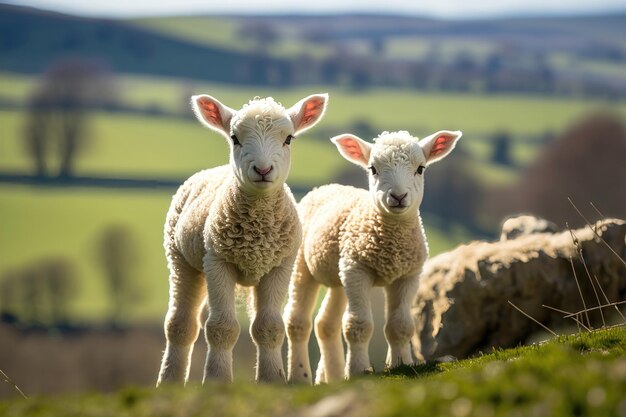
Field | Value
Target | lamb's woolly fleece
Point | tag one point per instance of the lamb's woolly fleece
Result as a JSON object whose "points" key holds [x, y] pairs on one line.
{"points": [[397, 147], [260, 116], [342, 221], [254, 233]]}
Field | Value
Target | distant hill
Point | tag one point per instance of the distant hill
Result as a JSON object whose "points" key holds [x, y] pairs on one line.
{"points": [[548, 55], [31, 39], [553, 30]]}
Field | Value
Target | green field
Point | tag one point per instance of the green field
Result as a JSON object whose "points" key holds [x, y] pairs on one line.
{"points": [[119, 138], [42, 222], [38, 223], [580, 375]]}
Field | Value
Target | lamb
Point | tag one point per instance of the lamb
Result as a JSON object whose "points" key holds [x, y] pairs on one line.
{"points": [[353, 240], [232, 225]]}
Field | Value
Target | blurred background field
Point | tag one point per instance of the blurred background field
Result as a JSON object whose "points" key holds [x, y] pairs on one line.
{"points": [[533, 97]]}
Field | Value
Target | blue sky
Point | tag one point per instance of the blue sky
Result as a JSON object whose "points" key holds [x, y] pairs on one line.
{"points": [[435, 8]]}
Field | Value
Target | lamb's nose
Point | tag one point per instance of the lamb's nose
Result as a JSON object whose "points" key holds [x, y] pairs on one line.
{"points": [[399, 198], [263, 171]]}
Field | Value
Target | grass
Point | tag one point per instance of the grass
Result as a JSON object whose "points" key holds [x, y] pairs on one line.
{"points": [[131, 145], [223, 32], [390, 109], [38, 223], [180, 147], [205, 30], [578, 375]]}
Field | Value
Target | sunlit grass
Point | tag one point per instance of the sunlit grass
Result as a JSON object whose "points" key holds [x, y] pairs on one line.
{"points": [[39, 223], [131, 145], [581, 375]]}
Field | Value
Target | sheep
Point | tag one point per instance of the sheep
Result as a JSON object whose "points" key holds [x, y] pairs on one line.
{"points": [[462, 304], [353, 240], [235, 225], [522, 225]]}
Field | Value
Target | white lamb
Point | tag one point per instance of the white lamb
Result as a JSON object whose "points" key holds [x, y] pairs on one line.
{"points": [[235, 225], [353, 240]]}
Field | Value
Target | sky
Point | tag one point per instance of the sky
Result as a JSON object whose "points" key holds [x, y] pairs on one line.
{"points": [[451, 9]]}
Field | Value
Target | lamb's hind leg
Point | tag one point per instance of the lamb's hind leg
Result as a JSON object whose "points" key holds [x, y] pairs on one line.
{"points": [[328, 333], [303, 290], [399, 326], [182, 322]]}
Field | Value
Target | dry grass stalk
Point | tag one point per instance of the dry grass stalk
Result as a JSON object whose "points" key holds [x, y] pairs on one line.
{"points": [[585, 310], [582, 259], [13, 384], [596, 308], [536, 321], [608, 301], [594, 230], [575, 318]]}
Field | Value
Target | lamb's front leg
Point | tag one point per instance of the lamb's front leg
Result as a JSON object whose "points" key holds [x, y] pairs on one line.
{"points": [[267, 328], [399, 326], [358, 324], [221, 329]]}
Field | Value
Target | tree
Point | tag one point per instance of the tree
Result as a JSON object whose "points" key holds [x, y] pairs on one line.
{"points": [[453, 193], [57, 112], [502, 149], [39, 293], [118, 256], [587, 164]]}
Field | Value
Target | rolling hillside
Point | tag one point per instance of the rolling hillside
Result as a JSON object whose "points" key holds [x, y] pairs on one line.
{"points": [[549, 55], [31, 39]]}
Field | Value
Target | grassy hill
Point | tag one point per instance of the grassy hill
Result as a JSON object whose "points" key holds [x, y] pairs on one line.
{"points": [[579, 375], [584, 49], [31, 39], [549, 55]]}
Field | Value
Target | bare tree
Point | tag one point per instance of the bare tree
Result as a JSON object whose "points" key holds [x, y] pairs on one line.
{"points": [[118, 256], [57, 112], [39, 293], [61, 287]]}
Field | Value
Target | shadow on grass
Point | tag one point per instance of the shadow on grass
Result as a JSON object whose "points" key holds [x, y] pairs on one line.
{"points": [[416, 371]]}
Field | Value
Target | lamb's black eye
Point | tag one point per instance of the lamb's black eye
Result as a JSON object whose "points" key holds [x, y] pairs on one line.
{"points": [[235, 140], [373, 169], [420, 169], [288, 140]]}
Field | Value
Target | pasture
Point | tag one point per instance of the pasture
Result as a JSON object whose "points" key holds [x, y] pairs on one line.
{"points": [[38, 222], [583, 374]]}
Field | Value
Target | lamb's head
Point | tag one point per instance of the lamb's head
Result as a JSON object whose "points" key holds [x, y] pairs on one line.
{"points": [[396, 162], [260, 135]]}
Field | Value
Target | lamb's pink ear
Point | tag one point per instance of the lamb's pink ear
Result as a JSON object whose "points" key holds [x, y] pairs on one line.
{"points": [[307, 112], [354, 149], [213, 114], [438, 145]]}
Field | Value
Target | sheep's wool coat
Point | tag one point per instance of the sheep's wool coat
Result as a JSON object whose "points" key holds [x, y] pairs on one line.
{"points": [[210, 212], [343, 222]]}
